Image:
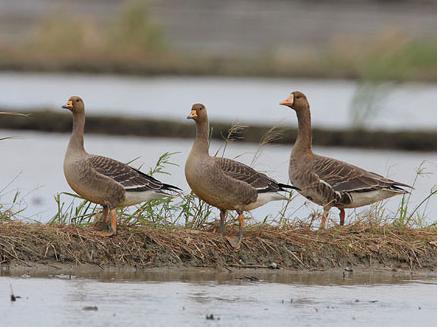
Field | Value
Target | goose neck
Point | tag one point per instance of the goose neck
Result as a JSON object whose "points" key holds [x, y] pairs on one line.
{"points": [[76, 142], [201, 143], [303, 142]]}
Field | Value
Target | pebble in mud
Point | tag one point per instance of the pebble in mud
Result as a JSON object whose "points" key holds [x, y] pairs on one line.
{"points": [[273, 266], [250, 278], [64, 276], [90, 308], [14, 298], [211, 317]]}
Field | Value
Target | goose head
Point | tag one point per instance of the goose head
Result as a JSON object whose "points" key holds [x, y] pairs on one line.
{"points": [[74, 104], [296, 100], [198, 113]]}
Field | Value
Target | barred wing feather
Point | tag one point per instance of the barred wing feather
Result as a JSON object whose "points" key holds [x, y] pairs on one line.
{"points": [[344, 177], [131, 179], [239, 171]]}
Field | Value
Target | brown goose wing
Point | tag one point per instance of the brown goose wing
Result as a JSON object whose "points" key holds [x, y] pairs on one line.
{"points": [[239, 171], [344, 177], [131, 179]]}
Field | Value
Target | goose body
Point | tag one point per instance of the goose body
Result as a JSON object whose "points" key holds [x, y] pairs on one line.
{"points": [[224, 183], [103, 180], [330, 182], [231, 185]]}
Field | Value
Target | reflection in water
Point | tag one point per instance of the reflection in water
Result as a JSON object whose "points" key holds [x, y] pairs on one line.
{"points": [[208, 276], [87, 302]]}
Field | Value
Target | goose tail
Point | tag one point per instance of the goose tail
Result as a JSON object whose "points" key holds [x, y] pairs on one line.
{"points": [[169, 189], [286, 187], [401, 188]]}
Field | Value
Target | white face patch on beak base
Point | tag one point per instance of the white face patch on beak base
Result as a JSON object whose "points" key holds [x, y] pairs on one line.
{"points": [[68, 105], [289, 101]]}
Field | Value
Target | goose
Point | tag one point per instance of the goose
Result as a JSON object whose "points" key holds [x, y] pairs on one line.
{"points": [[105, 181], [224, 183], [329, 182]]}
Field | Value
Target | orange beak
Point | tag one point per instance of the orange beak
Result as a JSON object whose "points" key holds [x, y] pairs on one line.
{"points": [[193, 115], [289, 101]]}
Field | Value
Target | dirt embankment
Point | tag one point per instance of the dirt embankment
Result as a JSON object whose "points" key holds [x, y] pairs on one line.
{"points": [[300, 248], [51, 121]]}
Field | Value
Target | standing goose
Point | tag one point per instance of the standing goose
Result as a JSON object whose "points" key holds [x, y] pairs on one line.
{"points": [[224, 183], [102, 180], [330, 182]]}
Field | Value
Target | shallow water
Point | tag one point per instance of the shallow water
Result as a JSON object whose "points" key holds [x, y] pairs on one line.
{"points": [[245, 100], [37, 160], [317, 300]]}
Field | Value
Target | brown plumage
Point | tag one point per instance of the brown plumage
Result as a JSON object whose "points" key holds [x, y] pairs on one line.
{"points": [[330, 182], [102, 180], [224, 183]]}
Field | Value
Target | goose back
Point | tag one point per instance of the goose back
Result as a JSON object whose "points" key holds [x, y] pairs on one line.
{"points": [[331, 182], [210, 182], [91, 185]]}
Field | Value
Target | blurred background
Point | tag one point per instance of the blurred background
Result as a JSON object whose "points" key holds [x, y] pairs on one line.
{"points": [[368, 68]]}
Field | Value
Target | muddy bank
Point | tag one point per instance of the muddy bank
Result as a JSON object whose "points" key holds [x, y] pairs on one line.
{"points": [[367, 246], [51, 121], [349, 275]]}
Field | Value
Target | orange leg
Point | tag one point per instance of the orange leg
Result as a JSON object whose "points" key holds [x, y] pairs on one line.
{"points": [[324, 218], [113, 222], [342, 216], [241, 225], [222, 227], [101, 224], [104, 223]]}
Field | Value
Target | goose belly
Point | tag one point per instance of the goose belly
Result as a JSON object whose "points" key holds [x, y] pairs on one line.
{"points": [[298, 179], [262, 199], [87, 192], [312, 195], [132, 198], [211, 196], [360, 199], [97, 189], [210, 191]]}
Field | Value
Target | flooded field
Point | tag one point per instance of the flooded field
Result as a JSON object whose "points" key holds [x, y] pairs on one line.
{"points": [[35, 160], [369, 273], [175, 298], [244, 100]]}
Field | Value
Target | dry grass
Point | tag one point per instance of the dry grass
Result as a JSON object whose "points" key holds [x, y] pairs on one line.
{"points": [[292, 247]]}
